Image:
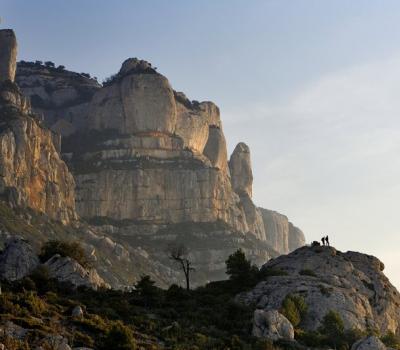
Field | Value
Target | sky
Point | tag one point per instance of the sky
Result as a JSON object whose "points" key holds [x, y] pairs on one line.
{"points": [[311, 86]]}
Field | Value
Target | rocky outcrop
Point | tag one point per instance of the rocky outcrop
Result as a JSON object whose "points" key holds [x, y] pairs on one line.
{"points": [[272, 325], [65, 269], [369, 343], [352, 284], [61, 96], [8, 54], [17, 259], [283, 236], [242, 184], [240, 169], [32, 173]]}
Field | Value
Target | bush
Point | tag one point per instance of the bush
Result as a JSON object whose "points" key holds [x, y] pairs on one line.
{"points": [[294, 308], [119, 337], [391, 340], [66, 249], [332, 324], [240, 270]]}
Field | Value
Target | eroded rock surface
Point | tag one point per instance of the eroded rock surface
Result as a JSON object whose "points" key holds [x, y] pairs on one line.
{"points": [[283, 236], [17, 259], [32, 173], [272, 325], [351, 284], [369, 343], [65, 269]]}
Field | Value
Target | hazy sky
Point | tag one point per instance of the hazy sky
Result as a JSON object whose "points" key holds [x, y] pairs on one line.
{"points": [[311, 86]]}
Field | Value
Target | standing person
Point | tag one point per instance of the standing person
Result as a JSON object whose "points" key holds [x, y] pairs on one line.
{"points": [[323, 240], [327, 240]]}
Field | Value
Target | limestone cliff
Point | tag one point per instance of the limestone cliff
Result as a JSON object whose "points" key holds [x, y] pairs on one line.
{"points": [[352, 284], [280, 233], [151, 166], [32, 173]]}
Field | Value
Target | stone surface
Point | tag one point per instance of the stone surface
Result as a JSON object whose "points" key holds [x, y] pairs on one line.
{"points": [[77, 311], [215, 149], [65, 269], [32, 173], [240, 169], [61, 96], [272, 325], [17, 259], [351, 284], [137, 103], [8, 54], [369, 343], [280, 232]]}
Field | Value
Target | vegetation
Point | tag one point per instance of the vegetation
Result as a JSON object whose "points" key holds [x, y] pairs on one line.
{"points": [[294, 308], [66, 249], [148, 317]]}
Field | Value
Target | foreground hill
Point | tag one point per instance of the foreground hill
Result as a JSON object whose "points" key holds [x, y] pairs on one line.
{"points": [[284, 305]]}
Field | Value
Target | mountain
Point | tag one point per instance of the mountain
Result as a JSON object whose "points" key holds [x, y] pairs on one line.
{"points": [[131, 167]]}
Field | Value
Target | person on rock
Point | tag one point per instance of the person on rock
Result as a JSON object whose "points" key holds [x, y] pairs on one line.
{"points": [[327, 240], [323, 240]]}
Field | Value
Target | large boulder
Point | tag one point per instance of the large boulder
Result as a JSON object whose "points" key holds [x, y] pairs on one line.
{"points": [[369, 343], [66, 269], [8, 54], [352, 284], [272, 325], [17, 259]]}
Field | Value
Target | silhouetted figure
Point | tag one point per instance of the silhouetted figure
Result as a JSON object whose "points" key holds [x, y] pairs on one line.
{"points": [[327, 240], [315, 244], [323, 240]]}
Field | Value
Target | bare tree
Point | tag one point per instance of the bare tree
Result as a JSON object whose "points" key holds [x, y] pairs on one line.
{"points": [[179, 253]]}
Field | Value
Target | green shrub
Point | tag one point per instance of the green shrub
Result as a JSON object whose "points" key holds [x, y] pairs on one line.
{"points": [[119, 337], [66, 249], [332, 324], [240, 270], [391, 340], [294, 308]]}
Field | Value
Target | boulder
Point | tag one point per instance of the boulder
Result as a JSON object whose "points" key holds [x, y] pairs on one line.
{"points": [[369, 343], [77, 312], [17, 260], [8, 54], [272, 325], [65, 269]]}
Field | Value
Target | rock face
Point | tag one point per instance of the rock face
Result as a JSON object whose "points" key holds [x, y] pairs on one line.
{"points": [[351, 284], [65, 269], [272, 325], [8, 54], [147, 161], [17, 259], [240, 168], [32, 173], [61, 96], [369, 343], [283, 236]]}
